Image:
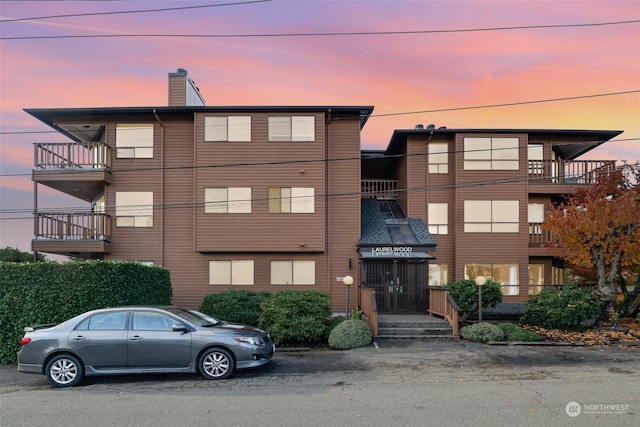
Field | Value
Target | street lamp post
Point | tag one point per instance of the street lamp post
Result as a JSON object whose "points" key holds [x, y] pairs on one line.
{"points": [[348, 281], [480, 281]]}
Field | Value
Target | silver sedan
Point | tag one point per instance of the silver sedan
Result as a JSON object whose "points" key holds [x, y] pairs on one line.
{"points": [[137, 340]]}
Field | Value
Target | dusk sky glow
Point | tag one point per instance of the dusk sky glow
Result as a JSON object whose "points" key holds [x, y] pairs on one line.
{"points": [[407, 57]]}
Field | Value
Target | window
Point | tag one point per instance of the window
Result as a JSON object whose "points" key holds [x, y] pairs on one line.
{"points": [[292, 128], [536, 217], [491, 153], [438, 274], [104, 322], [438, 157], [149, 321], [236, 272], [134, 209], [438, 218], [557, 275], [227, 200], [505, 274], [293, 272], [290, 200], [134, 141], [231, 128], [536, 278], [535, 156], [491, 216]]}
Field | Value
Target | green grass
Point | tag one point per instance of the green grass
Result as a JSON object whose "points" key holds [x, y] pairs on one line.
{"points": [[516, 333]]}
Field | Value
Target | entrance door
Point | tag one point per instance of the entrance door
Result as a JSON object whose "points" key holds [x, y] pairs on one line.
{"points": [[400, 284]]}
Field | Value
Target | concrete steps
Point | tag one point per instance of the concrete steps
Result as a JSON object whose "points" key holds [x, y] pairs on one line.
{"points": [[413, 327]]}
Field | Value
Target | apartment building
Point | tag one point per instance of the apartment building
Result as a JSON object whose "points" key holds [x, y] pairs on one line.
{"points": [[482, 194], [282, 197]]}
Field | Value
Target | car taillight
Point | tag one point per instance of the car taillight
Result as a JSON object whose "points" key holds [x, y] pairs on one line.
{"points": [[25, 341]]}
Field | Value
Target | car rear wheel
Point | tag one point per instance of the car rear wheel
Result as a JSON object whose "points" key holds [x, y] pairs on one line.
{"points": [[216, 364], [64, 370]]}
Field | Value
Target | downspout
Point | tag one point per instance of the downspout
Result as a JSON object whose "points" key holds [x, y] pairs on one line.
{"points": [[327, 198], [162, 173], [35, 217]]}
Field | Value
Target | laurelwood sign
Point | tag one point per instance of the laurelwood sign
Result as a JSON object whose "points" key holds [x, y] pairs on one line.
{"points": [[394, 252]]}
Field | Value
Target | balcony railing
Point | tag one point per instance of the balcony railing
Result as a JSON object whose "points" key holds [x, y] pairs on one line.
{"points": [[381, 189], [537, 234], [569, 171], [73, 226], [72, 155]]}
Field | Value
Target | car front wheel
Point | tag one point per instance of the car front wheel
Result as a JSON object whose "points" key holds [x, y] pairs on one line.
{"points": [[64, 370], [216, 364]]}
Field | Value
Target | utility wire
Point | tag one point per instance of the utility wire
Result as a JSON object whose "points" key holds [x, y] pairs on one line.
{"points": [[327, 34], [127, 12]]}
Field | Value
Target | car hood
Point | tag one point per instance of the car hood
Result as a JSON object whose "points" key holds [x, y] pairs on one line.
{"points": [[238, 328]]}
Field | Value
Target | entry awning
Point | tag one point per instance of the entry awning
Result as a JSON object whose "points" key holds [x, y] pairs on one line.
{"points": [[394, 252]]}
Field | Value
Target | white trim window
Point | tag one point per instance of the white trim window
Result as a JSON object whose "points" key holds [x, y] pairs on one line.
{"points": [[438, 274], [227, 200], [134, 140], [227, 128], [491, 216], [438, 218], [505, 274], [231, 272], [491, 154], [299, 272], [438, 157], [134, 209], [292, 128], [291, 200]]}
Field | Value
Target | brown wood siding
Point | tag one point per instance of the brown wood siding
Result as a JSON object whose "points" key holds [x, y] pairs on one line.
{"points": [[416, 205], [177, 90], [343, 204], [260, 164]]}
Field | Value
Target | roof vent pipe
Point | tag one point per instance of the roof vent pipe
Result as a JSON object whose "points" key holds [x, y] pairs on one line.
{"points": [[431, 126], [419, 126]]}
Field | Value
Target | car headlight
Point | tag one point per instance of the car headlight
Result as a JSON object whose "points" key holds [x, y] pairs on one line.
{"points": [[249, 340]]}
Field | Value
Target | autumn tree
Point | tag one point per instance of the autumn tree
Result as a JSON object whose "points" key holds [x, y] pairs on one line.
{"points": [[599, 227]]}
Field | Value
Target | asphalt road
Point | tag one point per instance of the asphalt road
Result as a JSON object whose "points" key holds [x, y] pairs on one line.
{"points": [[418, 384]]}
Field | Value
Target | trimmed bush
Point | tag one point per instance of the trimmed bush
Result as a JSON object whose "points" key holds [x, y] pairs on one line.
{"points": [[332, 324], [482, 332], [516, 333], [561, 309], [351, 333], [465, 294], [49, 292], [292, 315], [236, 306]]}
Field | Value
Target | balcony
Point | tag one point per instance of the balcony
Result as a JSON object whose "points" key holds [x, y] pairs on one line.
{"points": [[84, 235], [546, 175], [78, 169], [381, 189]]}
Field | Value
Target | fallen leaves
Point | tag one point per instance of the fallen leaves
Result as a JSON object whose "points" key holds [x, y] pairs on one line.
{"points": [[627, 333]]}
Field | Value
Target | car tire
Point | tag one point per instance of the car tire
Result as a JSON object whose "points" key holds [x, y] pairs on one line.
{"points": [[64, 370], [216, 364]]}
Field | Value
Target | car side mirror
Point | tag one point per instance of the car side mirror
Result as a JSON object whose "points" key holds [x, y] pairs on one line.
{"points": [[180, 327]]}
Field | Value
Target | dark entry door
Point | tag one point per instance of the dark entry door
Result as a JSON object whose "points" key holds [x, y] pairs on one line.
{"points": [[400, 284]]}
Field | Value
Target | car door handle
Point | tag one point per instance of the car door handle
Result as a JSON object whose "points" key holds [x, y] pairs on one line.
{"points": [[135, 338], [78, 338]]}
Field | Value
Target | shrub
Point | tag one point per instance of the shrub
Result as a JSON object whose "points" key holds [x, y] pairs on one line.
{"points": [[516, 333], [237, 306], [482, 332], [561, 309], [50, 292], [465, 294], [332, 324], [351, 333], [292, 315]]}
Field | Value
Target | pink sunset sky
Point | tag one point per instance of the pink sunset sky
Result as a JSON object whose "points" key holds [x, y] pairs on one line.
{"points": [[437, 64]]}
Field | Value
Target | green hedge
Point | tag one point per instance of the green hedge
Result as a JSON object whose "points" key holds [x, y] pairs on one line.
{"points": [[482, 332], [351, 333], [49, 292], [292, 315], [565, 308], [236, 306]]}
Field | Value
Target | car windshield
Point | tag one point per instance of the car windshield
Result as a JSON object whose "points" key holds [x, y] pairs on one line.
{"points": [[196, 317]]}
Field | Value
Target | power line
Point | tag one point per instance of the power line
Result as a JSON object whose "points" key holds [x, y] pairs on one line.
{"points": [[329, 34], [508, 104], [127, 12]]}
